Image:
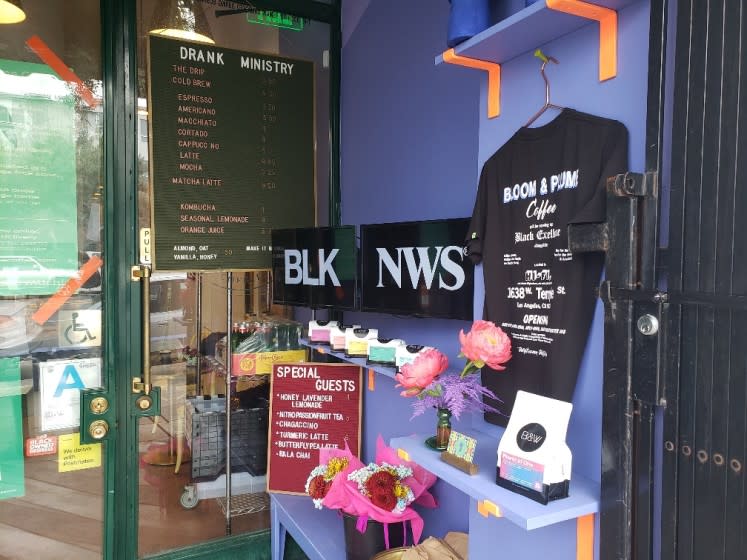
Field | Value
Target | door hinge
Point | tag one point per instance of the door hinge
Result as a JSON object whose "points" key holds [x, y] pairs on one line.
{"points": [[139, 387], [634, 184], [139, 271], [608, 294]]}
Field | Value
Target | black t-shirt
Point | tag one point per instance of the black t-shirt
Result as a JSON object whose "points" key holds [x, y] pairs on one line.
{"points": [[543, 296]]}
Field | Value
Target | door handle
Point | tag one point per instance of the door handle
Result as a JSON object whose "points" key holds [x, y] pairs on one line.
{"points": [[141, 273], [147, 399], [97, 415], [98, 429]]}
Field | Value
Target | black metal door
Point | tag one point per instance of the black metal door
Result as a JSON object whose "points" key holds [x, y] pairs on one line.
{"points": [[674, 410], [705, 421]]}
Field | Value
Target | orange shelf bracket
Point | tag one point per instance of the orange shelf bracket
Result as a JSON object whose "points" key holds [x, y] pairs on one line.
{"points": [[607, 19], [585, 537], [494, 77], [486, 507], [371, 380]]}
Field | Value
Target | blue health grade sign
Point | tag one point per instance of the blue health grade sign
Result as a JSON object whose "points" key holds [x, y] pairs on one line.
{"points": [[60, 384]]}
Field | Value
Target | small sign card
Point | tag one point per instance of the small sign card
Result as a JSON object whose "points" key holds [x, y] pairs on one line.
{"points": [[40, 446], [460, 451]]}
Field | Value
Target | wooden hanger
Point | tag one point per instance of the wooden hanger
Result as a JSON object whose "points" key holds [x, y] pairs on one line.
{"points": [[545, 59]]}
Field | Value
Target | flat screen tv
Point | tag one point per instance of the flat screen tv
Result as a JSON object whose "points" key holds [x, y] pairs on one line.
{"points": [[315, 267], [417, 268]]}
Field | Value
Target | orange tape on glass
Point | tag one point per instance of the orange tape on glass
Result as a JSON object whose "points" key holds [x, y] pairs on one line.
{"points": [[51, 306], [49, 58]]}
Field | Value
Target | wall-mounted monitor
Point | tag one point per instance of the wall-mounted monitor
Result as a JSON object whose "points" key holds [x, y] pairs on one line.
{"points": [[315, 267], [417, 268]]}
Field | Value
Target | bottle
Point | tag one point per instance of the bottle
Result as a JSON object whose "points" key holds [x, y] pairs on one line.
{"points": [[234, 337]]}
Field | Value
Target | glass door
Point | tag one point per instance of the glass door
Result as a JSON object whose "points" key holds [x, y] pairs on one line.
{"points": [[185, 498], [52, 340]]}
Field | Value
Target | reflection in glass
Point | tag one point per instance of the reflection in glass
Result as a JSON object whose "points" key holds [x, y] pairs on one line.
{"points": [[51, 188]]}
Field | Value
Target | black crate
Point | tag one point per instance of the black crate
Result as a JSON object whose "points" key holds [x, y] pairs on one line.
{"points": [[206, 434]]}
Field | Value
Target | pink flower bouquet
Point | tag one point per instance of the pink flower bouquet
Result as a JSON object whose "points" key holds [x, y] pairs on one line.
{"points": [[383, 491], [485, 344]]}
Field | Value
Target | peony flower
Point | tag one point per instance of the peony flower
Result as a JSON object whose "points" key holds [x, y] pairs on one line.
{"points": [[415, 376], [485, 344]]}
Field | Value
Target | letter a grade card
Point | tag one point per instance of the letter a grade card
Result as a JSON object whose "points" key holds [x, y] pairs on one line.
{"points": [[311, 406]]}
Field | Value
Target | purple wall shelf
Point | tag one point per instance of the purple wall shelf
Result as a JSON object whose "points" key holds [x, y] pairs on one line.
{"points": [[527, 514], [525, 31], [319, 533]]}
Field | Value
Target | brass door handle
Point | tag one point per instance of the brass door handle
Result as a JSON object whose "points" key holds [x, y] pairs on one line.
{"points": [[99, 405], [98, 429], [141, 273]]}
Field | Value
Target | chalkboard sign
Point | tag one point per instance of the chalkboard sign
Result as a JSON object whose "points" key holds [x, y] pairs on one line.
{"points": [[232, 154], [311, 406]]}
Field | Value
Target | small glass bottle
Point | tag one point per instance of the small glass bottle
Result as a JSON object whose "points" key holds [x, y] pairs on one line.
{"points": [[443, 428]]}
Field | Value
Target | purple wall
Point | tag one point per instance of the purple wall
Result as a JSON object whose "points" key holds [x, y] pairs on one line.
{"points": [[409, 148], [414, 136]]}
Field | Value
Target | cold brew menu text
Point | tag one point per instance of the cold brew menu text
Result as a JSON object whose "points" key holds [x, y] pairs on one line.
{"points": [[232, 153], [311, 406]]}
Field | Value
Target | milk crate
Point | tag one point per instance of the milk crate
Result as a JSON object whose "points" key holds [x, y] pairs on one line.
{"points": [[206, 434]]}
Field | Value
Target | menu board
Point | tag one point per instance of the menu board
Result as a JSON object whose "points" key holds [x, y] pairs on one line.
{"points": [[232, 154], [38, 205], [311, 406]]}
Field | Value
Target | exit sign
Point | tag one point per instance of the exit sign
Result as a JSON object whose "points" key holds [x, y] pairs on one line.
{"points": [[275, 19]]}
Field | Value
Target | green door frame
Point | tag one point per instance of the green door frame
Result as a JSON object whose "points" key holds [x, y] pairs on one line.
{"points": [[122, 299]]}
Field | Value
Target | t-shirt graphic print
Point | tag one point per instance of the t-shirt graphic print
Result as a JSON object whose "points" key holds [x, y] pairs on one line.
{"points": [[543, 296]]}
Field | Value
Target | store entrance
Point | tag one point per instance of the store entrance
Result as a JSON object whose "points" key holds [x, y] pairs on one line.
{"points": [[121, 476], [204, 126]]}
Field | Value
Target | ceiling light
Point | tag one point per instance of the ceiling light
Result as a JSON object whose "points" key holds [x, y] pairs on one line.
{"points": [[182, 19], [11, 11]]}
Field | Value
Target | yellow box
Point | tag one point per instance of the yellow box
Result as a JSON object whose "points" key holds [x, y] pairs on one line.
{"points": [[260, 363]]}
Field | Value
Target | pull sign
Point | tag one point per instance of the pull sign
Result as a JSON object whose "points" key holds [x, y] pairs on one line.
{"points": [[146, 242]]}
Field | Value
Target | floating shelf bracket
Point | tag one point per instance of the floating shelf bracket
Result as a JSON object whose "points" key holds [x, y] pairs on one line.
{"points": [[585, 537], [607, 19], [494, 77], [486, 507]]}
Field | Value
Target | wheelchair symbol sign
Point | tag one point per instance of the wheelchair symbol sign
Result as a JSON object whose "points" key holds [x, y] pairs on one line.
{"points": [[79, 328]]}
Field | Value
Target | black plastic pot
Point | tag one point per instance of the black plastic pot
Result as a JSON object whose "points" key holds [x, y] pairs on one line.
{"points": [[363, 546]]}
